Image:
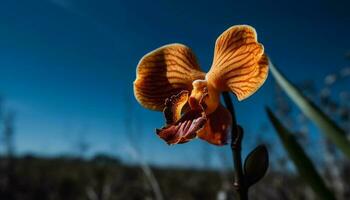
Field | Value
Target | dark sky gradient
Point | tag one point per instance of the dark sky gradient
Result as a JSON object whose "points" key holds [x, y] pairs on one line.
{"points": [[67, 66]]}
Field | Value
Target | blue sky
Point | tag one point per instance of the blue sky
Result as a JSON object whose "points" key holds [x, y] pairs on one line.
{"points": [[67, 66]]}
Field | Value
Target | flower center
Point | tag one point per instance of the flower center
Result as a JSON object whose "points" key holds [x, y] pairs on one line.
{"points": [[205, 95]]}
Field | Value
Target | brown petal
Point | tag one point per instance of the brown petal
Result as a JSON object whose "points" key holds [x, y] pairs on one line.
{"points": [[217, 128], [164, 72], [239, 63], [185, 129]]}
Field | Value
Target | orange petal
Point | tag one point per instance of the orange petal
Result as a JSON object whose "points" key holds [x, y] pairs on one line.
{"points": [[239, 63], [217, 128], [164, 72]]}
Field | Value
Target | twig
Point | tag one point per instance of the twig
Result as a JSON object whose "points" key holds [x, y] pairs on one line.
{"points": [[236, 146]]}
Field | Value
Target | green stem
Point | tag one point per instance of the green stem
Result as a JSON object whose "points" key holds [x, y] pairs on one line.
{"points": [[236, 148]]}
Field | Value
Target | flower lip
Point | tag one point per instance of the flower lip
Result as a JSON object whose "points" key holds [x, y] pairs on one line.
{"points": [[182, 121], [184, 129], [186, 121]]}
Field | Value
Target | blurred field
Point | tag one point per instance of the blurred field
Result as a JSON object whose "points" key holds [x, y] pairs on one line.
{"points": [[104, 177]]}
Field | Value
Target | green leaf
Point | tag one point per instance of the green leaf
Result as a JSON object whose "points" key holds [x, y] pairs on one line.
{"points": [[328, 127], [301, 161], [255, 165]]}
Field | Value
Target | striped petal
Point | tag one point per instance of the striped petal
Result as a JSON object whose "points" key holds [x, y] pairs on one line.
{"points": [[239, 63], [165, 72], [217, 128]]}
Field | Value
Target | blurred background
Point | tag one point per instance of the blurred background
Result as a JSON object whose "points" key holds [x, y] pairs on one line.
{"points": [[70, 127]]}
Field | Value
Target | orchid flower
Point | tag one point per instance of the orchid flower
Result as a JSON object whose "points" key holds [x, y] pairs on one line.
{"points": [[169, 79]]}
